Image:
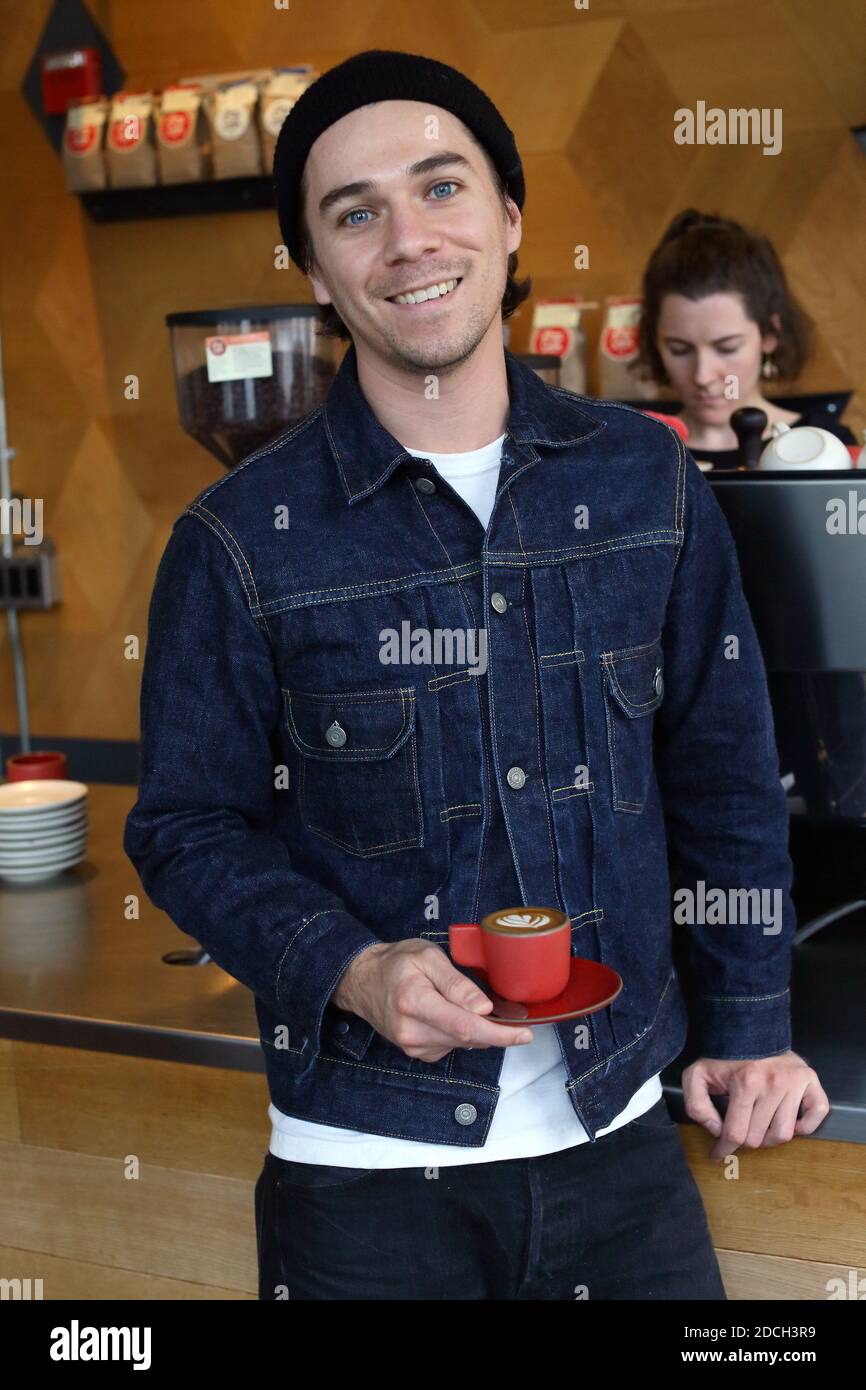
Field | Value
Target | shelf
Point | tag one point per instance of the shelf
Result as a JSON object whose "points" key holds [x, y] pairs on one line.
{"points": [[251, 194]]}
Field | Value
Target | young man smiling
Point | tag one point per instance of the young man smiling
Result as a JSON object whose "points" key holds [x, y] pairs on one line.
{"points": [[419, 1150]]}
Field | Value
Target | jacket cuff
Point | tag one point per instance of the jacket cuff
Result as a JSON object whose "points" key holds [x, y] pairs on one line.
{"points": [[319, 950], [742, 1026]]}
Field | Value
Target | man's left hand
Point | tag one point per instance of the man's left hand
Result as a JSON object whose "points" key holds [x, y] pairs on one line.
{"points": [[764, 1099]]}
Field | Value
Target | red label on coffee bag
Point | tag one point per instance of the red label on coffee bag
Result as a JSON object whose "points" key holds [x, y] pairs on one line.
{"points": [[553, 341], [125, 133], [620, 342], [79, 140], [174, 126]]}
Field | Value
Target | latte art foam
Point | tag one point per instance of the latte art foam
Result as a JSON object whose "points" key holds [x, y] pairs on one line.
{"points": [[523, 919]]}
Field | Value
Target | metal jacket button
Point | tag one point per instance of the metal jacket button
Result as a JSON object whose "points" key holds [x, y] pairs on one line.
{"points": [[515, 777], [335, 735], [499, 602], [342, 1026], [425, 485], [465, 1114], [659, 681]]}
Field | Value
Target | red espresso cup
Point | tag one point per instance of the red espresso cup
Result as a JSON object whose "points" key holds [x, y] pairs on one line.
{"points": [[21, 767], [526, 951]]}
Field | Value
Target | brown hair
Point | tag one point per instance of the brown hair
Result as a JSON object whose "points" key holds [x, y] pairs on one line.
{"points": [[703, 254], [329, 322]]}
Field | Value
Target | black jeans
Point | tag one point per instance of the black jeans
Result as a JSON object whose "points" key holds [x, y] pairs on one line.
{"points": [[618, 1219]]}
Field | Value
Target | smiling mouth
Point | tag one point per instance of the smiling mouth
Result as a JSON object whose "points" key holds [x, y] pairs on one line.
{"points": [[441, 289]]}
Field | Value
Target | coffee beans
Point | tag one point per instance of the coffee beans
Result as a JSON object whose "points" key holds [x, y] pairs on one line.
{"points": [[233, 419]]}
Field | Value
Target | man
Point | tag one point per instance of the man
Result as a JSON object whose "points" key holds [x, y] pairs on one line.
{"points": [[325, 787]]}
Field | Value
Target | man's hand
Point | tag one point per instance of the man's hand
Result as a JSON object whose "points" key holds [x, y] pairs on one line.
{"points": [[764, 1097], [411, 993]]}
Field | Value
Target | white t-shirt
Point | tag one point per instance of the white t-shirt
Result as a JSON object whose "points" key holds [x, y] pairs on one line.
{"points": [[533, 1114]]}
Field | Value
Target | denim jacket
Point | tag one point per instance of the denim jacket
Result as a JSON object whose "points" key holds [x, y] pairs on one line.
{"points": [[324, 767]]}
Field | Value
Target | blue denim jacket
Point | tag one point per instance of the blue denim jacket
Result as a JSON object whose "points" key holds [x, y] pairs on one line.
{"points": [[302, 796]]}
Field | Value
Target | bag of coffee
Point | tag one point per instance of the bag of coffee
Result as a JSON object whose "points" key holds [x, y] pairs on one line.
{"points": [[617, 351], [556, 331], [231, 111], [181, 136], [279, 95], [130, 150], [83, 139]]}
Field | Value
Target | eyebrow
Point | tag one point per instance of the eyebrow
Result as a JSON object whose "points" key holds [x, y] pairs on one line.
{"points": [[364, 186], [672, 338]]}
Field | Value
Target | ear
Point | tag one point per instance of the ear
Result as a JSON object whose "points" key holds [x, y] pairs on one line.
{"points": [[770, 340], [515, 224], [320, 289]]}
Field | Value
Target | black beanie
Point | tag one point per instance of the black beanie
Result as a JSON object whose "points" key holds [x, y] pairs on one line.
{"points": [[384, 75]]}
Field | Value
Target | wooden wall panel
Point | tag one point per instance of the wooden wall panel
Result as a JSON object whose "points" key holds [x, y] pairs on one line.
{"points": [[167, 1222], [75, 1280], [769, 1278], [208, 1120], [590, 95], [805, 1200], [10, 1127]]}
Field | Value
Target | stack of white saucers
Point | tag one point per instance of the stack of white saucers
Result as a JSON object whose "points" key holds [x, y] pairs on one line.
{"points": [[43, 828]]}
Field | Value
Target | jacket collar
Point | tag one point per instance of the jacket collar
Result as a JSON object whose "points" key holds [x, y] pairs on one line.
{"points": [[366, 453]]}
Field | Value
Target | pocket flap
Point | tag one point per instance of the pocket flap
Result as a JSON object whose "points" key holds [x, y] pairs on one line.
{"points": [[635, 677], [350, 726]]}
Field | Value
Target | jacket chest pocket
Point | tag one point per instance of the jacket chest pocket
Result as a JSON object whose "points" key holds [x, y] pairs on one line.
{"points": [[358, 775], [633, 691]]}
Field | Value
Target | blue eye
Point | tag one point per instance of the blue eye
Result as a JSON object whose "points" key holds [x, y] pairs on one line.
{"points": [[355, 212]]}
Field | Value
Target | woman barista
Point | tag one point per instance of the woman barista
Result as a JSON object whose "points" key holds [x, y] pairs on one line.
{"points": [[717, 306], [718, 314]]}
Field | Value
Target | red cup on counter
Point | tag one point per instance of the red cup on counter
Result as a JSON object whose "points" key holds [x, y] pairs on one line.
{"points": [[21, 767], [525, 951]]}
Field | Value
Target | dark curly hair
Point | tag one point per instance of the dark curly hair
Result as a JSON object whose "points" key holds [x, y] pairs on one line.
{"points": [[330, 325], [703, 254]]}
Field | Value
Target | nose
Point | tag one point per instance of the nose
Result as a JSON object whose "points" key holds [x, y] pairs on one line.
{"points": [[410, 233], [704, 372]]}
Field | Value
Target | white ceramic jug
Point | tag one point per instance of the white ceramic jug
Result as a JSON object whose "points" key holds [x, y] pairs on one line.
{"points": [[807, 446]]}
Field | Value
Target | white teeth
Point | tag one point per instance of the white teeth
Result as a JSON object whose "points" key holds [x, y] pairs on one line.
{"points": [[431, 292]]}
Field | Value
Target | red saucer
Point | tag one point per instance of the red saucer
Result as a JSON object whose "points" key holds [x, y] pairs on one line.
{"points": [[591, 987]]}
